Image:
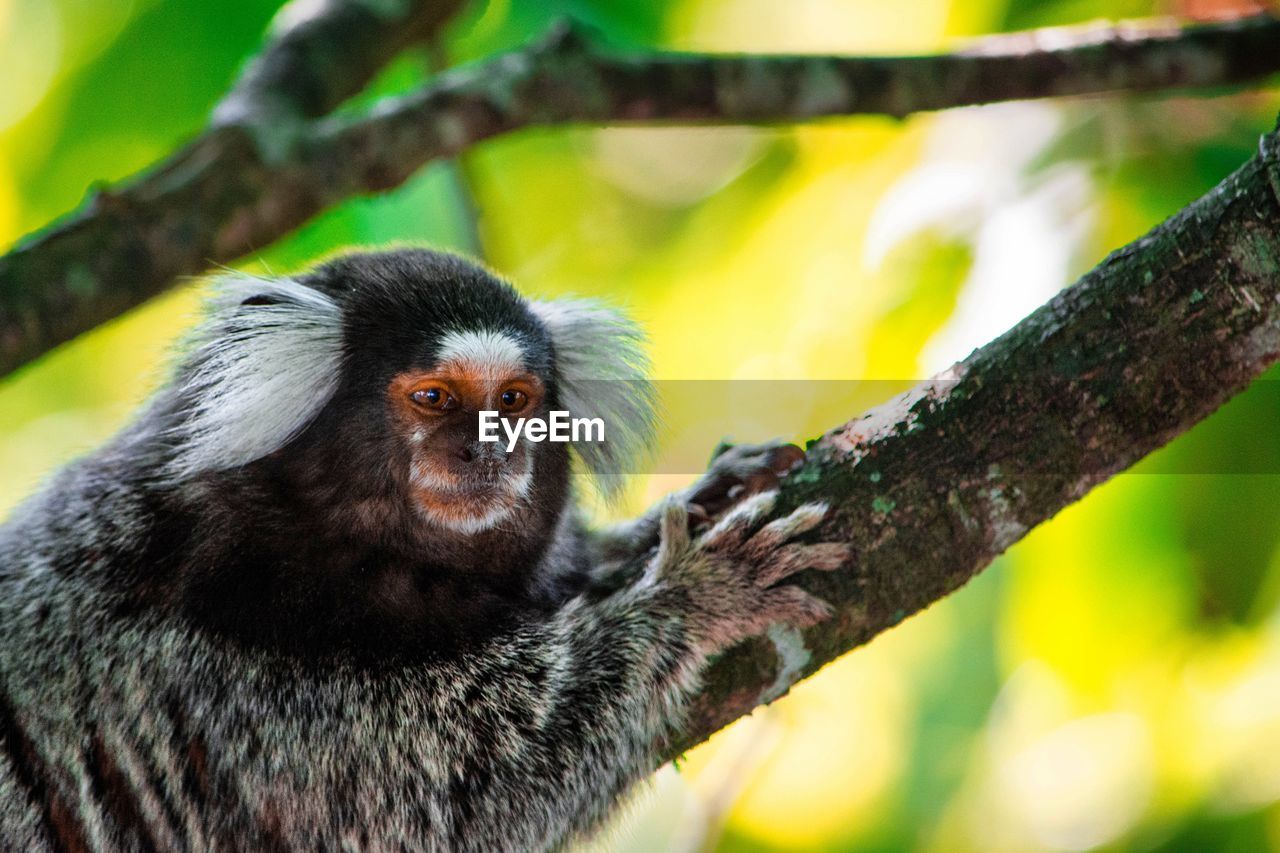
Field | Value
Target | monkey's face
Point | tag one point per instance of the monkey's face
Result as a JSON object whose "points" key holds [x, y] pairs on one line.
{"points": [[455, 479]]}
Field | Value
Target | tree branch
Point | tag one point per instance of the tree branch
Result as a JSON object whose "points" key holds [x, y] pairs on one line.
{"points": [[266, 164], [320, 53], [128, 244], [932, 486]]}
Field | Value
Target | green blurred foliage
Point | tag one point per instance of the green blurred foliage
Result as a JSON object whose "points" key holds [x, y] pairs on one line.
{"points": [[1111, 683]]}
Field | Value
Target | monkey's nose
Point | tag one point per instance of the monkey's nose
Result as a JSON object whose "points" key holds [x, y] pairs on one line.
{"points": [[464, 453]]}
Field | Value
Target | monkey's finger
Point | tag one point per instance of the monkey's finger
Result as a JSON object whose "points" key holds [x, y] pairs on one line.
{"points": [[713, 485], [730, 491], [791, 605], [735, 526], [801, 520], [784, 458], [698, 516], [673, 537], [825, 557], [715, 495], [764, 480]]}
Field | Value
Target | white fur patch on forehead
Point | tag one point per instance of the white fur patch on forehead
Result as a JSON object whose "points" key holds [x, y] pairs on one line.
{"points": [[485, 352], [262, 365]]}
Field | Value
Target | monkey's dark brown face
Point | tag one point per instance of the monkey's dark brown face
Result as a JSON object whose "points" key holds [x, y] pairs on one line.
{"points": [[457, 480]]}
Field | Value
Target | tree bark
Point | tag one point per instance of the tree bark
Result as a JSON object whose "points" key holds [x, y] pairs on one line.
{"points": [[932, 486], [272, 158]]}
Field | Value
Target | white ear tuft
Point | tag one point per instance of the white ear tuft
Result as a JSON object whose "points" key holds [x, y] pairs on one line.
{"points": [[603, 373], [262, 365]]}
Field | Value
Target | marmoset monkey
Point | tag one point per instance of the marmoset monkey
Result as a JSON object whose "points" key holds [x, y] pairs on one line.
{"points": [[297, 605]]}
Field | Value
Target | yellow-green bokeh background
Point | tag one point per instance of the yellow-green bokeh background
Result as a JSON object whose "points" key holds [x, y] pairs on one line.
{"points": [[1113, 682]]}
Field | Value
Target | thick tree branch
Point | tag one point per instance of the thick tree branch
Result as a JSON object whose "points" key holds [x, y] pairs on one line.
{"points": [[266, 164], [934, 485]]}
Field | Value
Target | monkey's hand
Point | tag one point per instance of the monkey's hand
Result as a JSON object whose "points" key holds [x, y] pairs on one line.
{"points": [[729, 578], [736, 473]]}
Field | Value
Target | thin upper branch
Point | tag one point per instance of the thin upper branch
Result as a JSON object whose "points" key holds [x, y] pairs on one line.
{"points": [[933, 486], [320, 53], [267, 164]]}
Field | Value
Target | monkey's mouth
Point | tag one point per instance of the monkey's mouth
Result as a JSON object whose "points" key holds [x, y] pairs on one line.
{"points": [[468, 510], [479, 494], [470, 504]]}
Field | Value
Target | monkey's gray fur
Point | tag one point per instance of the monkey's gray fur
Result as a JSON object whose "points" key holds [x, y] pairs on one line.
{"points": [[132, 717]]}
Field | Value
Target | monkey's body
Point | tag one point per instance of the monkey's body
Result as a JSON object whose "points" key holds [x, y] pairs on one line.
{"points": [[125, 728], [295, 607]]}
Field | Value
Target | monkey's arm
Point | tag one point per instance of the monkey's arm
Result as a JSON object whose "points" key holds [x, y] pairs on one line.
{"points": [[574, 710]]}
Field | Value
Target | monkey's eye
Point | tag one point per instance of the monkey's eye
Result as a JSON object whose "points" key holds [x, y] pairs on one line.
{"points": [[434, 398], [513, 400]]}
